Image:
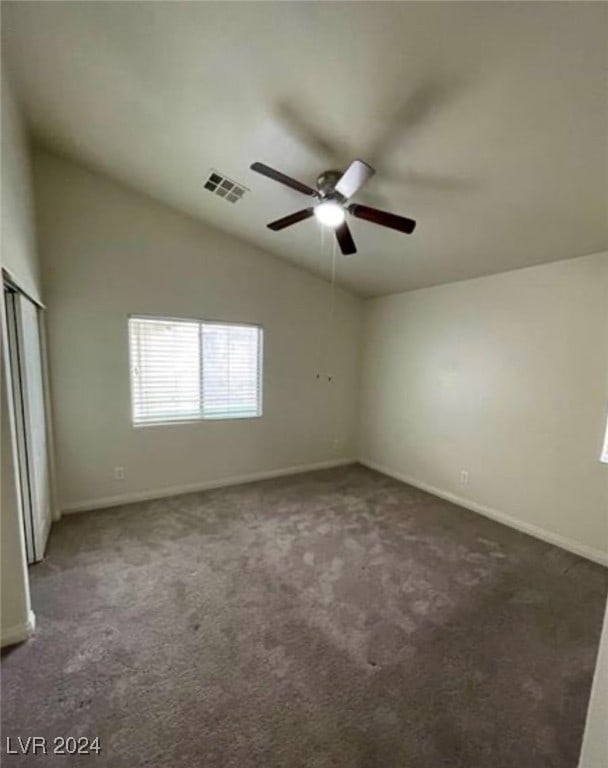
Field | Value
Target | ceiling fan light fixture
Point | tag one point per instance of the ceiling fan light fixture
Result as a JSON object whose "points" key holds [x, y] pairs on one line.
{"points": [[330, 213], [334, 190]]}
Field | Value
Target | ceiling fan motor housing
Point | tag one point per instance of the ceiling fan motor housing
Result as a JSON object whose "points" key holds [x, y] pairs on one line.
{"points": [[326, 184]]}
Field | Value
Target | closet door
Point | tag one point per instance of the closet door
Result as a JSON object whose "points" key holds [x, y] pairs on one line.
{"points": [[28, 388]]}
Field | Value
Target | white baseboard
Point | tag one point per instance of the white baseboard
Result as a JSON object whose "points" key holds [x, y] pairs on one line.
{"points": [[19, 632], [597, 555], [177, 490]]}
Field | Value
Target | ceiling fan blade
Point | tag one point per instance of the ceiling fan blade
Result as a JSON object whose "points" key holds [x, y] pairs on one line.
{"points": [[293, 218], [410, 116], [383, 218], [353, 178], [266, 170], [345, 239], [302, 128]]}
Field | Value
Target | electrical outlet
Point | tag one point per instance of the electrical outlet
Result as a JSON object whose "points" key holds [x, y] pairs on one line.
{"points": [[464, 476], [119, 473]]}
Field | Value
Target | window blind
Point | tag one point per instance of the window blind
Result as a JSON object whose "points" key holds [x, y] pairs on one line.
{"points": [[231, 380], [183, 370]]}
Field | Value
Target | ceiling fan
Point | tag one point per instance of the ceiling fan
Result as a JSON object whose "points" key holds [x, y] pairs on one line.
{"points": [[334, 190]]}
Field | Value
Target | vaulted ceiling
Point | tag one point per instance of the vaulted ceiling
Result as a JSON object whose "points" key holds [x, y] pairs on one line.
{"points": [[486, 122]]}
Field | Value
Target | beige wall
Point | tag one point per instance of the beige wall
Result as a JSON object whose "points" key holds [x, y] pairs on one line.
{"points": [[108, 252], [19, 256], [18, 237], [505, 377], [16, 617]]}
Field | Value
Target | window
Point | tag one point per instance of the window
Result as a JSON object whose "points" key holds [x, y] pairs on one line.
{"points": [[184, 369], [604, 456]]}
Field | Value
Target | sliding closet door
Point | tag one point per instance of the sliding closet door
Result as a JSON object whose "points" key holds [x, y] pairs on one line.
{"points": [[30, 420]]}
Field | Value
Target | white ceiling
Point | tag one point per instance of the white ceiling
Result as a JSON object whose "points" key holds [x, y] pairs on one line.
{"points": [[487, 122]]}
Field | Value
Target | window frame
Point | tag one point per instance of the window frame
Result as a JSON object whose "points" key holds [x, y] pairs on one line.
{"points": [[604, 450], [181, 319]]}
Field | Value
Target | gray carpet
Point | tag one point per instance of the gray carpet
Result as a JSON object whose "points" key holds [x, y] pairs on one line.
{"points": [[334, 619]]}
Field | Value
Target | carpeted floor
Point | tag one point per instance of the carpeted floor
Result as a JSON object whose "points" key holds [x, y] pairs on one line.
{"points": [[337, 619]]}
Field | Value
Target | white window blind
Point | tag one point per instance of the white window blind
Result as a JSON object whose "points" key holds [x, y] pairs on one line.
{"points": [[231, 362], [183, 370]]}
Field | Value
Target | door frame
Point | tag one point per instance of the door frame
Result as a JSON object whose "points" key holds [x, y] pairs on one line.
{"points": [[10, 285], [20, 438]]}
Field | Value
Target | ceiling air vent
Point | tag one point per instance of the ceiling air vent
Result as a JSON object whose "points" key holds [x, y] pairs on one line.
{"points": [[225, 187]]}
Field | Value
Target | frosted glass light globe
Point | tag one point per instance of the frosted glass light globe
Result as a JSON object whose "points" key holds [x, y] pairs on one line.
{"points": [[329, 213]]}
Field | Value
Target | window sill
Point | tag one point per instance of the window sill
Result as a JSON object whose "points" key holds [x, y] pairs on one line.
{"points": [[179, 422]]}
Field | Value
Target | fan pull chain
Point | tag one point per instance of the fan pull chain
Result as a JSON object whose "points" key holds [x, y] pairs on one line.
{"points": [[326, 345], [332, 308], [320, 350], [333, 392]]}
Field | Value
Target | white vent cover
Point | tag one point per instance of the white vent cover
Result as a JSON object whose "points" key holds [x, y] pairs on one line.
{"points": [[224, 187]]}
